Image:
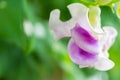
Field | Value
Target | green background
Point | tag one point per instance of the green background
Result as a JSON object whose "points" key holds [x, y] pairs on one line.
{"points": [[25, 57]]}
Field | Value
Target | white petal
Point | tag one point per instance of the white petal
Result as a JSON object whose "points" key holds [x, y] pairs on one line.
{"points": [[94, 18], [106, 42], [79, 14], [60, 29], [104, 54], [109, 37], [104, 64], [111, 31]]}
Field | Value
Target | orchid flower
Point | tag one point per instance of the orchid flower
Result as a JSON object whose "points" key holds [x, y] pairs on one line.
{"points": [[89, 43]]}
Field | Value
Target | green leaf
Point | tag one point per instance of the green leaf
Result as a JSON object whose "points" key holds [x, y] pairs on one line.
{"points": [[9, 57], [11, 22]]}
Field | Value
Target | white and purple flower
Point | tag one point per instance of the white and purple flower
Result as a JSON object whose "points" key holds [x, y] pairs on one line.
{"points": [[89, 43]]}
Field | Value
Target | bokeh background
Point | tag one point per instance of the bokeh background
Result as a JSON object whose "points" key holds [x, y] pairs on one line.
{"points": [[28, 50]]}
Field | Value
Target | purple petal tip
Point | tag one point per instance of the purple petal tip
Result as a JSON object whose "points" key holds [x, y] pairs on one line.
{"points": [[80, 56]]}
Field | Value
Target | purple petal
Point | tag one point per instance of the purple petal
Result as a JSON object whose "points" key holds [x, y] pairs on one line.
{"points": [[84, 39], [80, 56]]}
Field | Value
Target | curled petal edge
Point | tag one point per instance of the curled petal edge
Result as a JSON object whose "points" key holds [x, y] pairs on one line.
{"points": [[104, 64], [79, 14]]}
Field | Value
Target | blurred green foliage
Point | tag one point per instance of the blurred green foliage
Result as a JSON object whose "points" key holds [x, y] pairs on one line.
{"points": [[25, 57]]}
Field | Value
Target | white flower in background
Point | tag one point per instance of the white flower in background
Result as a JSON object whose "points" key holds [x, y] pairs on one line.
{"points": [[28, 28], [89, 43], [38, 29]]}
